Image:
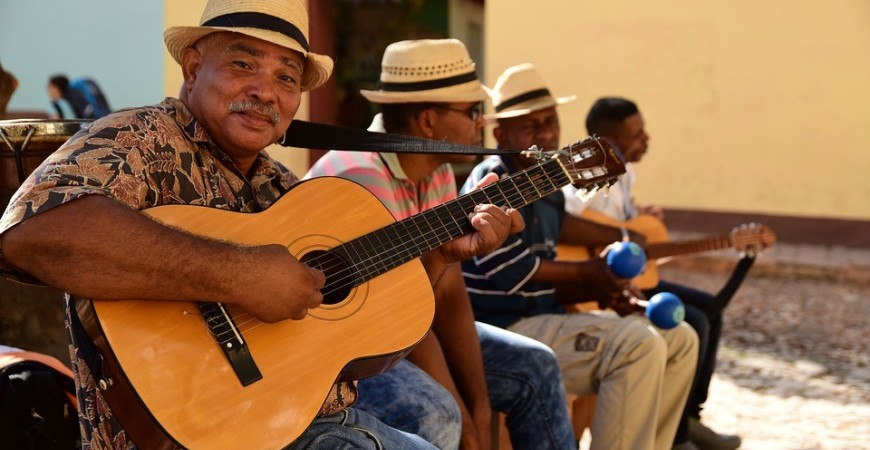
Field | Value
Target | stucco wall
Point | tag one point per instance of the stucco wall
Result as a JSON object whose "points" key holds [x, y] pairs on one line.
{"points": [[752, 106]]}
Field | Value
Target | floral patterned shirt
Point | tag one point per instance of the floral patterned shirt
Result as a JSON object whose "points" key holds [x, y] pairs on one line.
{"points": [[143, 157]]}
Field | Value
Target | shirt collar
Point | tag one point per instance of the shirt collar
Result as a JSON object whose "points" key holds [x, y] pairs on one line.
{"points": [[265, 168], [185, 119]]}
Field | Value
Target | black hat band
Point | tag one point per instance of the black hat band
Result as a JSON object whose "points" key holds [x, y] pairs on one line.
{"points": [[523, 98], [429, 84], [261, 21]]}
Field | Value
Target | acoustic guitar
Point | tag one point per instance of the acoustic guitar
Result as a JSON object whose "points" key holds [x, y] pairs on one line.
{"points": [[206, 375], [749, 238]]}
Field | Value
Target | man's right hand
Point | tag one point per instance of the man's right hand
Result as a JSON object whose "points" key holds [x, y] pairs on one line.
{"points": [[288, 289], [597, 281]]}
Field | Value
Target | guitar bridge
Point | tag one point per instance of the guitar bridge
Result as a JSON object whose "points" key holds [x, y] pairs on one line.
{"points": [[229, 337]]}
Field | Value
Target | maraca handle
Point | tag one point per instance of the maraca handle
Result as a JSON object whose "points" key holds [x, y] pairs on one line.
{"points": [[643, 304]]}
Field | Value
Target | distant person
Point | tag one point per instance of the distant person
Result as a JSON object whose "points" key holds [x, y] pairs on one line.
{"points": [[84, 96], [8, 84], [60, 107]]}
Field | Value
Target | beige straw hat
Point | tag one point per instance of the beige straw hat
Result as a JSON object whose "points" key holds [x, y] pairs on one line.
{"points": [[427, 70], [521, 90], [281, 22]]}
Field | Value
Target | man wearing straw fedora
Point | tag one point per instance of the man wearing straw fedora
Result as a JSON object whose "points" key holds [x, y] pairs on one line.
{"points": [[429, 88], [75, 225], [641, 375]]}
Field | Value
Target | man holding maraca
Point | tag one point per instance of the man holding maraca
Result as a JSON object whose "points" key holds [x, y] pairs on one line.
{"points": [[640, 373]]}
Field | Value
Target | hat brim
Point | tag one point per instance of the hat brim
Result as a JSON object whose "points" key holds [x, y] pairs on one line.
{"points": [[473, 91], [530, 107], [318, 67]]}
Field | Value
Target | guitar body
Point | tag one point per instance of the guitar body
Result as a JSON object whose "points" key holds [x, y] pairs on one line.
{"points": [[172, 385], [647, 225]]}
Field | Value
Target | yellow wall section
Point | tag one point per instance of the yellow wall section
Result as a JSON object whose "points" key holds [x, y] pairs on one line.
{"points": [[188, 12], [752, 106]]}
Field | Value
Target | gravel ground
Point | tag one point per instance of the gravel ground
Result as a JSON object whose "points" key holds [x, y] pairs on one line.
{"points": [[794, 367]]}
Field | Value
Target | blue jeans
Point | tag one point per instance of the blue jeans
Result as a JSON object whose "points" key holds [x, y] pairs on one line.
{"points": [[408, 399], [524, 382], [354, 429]]}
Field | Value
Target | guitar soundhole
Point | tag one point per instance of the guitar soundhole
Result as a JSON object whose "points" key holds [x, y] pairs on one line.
{"points": [[339, 276]]}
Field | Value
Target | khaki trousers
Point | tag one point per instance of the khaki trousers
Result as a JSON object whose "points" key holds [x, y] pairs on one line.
{"points": [[641, 374]]}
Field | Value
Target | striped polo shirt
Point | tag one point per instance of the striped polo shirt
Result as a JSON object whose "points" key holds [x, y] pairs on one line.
{"points": [[499, 283], [383, 176]]}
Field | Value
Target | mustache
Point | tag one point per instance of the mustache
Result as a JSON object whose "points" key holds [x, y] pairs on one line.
{"points": [[253, 105]]}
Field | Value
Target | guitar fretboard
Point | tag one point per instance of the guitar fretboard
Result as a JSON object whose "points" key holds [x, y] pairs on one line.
{"points": [[380, 251], [666, 249]]}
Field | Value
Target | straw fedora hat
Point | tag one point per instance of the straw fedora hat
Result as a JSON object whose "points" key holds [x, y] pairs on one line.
{"points": [[281, 22], [521, 90], [427, 70]]}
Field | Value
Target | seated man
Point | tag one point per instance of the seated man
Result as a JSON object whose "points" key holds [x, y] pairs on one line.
{"points": [[75, 225], [620, 121], [641, 375], [509, 372]]}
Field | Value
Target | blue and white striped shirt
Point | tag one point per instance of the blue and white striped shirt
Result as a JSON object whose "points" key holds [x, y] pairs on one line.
{"points": [[498, 283]]}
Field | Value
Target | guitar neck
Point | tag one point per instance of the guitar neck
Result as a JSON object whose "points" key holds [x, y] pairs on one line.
{"points": [[382, 250], [675, 248]]}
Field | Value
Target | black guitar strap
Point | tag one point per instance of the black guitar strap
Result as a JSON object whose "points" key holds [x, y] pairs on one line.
{"points": [[320, 136]]}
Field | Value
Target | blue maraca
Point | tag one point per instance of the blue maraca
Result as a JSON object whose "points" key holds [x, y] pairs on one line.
{"points": [[665, 310], [627, 259]]}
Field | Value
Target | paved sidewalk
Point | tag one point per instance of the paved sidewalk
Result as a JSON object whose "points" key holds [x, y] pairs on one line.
{"points": [[820, 256]]}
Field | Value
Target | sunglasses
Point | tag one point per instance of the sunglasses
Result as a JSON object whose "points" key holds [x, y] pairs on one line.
{"points": [[473, 113]]}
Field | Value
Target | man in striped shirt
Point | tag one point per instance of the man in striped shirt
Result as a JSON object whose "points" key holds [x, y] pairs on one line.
{"points": [[641, 375], [429, 89]]}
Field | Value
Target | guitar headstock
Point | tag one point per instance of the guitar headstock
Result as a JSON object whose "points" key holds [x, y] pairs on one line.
{"points": [[592, 164], [752, 238]]}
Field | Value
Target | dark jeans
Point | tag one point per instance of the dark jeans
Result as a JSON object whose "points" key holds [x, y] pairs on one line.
{"points": [[523, 379], [705, 316]]}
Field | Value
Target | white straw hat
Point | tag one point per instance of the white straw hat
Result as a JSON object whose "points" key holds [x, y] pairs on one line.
{"points": [[520, 90], [281, 22], [427, 70]]}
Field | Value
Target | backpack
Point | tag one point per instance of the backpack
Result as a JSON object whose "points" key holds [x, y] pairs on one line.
{"points": [[87, 99], [37, 403]]}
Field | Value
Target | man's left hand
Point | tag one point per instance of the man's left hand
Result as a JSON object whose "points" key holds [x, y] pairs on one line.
{"points": [[492, 225]]}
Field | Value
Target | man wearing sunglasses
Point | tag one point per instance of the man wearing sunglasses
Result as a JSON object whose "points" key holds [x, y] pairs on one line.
{"points": [[429, 89]]}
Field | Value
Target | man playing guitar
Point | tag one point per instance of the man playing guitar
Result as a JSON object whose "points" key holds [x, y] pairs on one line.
{"points": [[620, 121]]}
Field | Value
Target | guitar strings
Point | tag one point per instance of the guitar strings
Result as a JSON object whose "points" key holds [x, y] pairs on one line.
{"points": [[525, 183], [409, 237], [412, 241], [380, 250], [345, 278]]}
